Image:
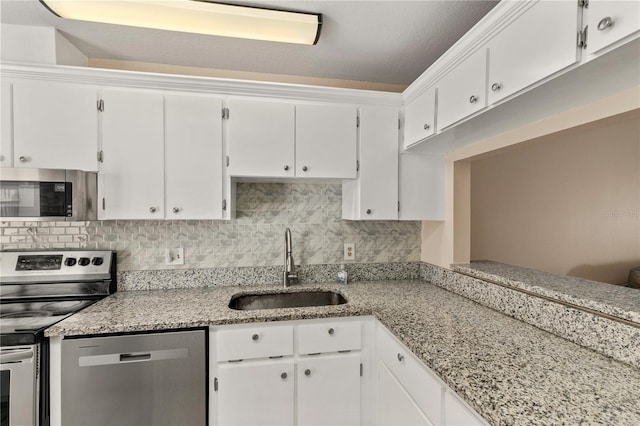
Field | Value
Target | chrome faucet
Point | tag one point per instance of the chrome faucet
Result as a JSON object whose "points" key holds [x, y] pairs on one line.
{"points": [[289, 273]]}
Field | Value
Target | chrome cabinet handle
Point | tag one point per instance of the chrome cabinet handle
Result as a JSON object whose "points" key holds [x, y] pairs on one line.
{"points": [[400, 357], [426, 126], [23, 159], [286, 168], [176, 209], [331, 331], [368, 211], [473, 99], [495, 87], [305, 168], [283, 376], [152, 209], [605, 23], [255, 337], [307, 372]]}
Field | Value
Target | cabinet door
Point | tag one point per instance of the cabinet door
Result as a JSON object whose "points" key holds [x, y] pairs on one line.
{"points": [[376, 187], [329, 390], [55, 126], [461, 91], [6, 125], [419, 117], [193, 158], [256, 393], [261, 138], [132, 174], [395, 406], [457, 414], [326, 141], [610, 21], [537, 44], [422, 187]]}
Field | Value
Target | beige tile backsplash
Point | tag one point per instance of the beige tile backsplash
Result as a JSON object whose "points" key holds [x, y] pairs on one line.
{"points": [[254, 238]]}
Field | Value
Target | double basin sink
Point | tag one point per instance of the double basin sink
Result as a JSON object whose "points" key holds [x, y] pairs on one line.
{"points": [[275, 300]]}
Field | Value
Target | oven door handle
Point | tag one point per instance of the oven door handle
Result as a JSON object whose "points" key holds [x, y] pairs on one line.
{"points": [[8, 356]]}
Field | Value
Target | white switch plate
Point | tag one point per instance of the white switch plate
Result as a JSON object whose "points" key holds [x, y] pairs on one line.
{"points": [[349, 251], [174, 256]]}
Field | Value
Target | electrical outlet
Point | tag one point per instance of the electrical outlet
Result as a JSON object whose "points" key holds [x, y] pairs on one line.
{"points": [[349, 251], [174, 256]]}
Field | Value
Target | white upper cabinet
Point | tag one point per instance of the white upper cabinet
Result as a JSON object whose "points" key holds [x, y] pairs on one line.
{"points": [[131, 184], [261, 138], [326, 141], [6, 125], [193, 157], [610, 21], [462, 91], [55, 126], [537, 44], [374, 194], [419, 117]]}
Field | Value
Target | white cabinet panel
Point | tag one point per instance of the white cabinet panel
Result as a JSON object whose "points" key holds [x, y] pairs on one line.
{"points": [[419, 118], [457, 414], [55, 126], [623, 20], [395, 406], [539, 43], [261, 138], [254, 342], [422, 187], [462, 91], [257, 393], [329, 390], [326, 138], [329, 337], [193, 157], [132, 174], [6, 124], [374, 194]]}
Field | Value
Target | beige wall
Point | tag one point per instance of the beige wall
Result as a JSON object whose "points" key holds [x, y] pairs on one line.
{"points": [[567, 203]]}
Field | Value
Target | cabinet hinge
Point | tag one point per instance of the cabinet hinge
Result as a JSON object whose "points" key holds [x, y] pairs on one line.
{"points": [[100, 156], [215, 384], [583, 3], [358, 121], [398, 205], [225, 113], [357, 165], [224, 205], [100, 105], [361, 370], [582, 37], [399, 125], [103, 204], [227, 161]]}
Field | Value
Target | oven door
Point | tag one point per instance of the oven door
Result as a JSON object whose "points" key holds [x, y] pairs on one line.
{"points": [[19, 385]]}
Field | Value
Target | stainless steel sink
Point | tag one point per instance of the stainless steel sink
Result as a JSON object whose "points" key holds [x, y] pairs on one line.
{"points": [[297, 299]]}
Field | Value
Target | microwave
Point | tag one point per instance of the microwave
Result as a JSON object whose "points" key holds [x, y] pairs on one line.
{"points": [[48, 194]]}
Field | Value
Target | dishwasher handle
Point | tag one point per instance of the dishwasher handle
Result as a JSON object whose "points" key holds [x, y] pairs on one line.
{"points": [[135, 357], [8, 356]]}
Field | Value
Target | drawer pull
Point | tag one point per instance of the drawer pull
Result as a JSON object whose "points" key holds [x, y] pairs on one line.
{"points": [[400, 357], [307, 372], [331, 331], [255, 337], [283, 376]]}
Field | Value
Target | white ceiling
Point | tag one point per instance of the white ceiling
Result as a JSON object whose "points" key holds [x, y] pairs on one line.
{"points": [[375, 41]]}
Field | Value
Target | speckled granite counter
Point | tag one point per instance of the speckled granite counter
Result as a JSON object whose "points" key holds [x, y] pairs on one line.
{"points": [[618, 301], [512, 373]]}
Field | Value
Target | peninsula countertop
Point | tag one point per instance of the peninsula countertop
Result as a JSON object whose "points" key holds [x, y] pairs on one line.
{"points": [[511, 372]]}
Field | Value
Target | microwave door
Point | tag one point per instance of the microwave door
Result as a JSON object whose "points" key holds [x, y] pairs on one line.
{"points": [[19, 199]]}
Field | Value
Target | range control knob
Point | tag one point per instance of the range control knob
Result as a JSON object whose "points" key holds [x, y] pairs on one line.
{"points": [[70, 261], [84, 261], [97, 261]]}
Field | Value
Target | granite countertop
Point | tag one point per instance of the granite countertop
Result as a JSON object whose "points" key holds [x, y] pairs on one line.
{"points": [[512, 373], [618, 301]]}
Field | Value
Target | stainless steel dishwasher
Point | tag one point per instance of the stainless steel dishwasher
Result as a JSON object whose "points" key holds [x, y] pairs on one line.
{"points": [[141, 379]]}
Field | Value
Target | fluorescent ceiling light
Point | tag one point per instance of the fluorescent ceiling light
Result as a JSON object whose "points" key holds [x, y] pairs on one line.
{"points": [[195, 16]]}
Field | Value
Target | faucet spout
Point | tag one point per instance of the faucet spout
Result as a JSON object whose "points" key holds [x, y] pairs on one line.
{"points": [[289, 273]]}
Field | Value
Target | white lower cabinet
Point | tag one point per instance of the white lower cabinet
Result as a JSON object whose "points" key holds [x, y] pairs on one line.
{"points": [[395, 405], [456, 413]]}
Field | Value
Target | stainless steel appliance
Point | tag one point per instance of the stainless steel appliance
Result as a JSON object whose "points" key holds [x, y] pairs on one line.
{"points": [[48, 194], [37, 290], [130, 380]]}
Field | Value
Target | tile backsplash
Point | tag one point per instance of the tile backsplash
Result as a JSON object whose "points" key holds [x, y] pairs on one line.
{"points": [[254, 238]]}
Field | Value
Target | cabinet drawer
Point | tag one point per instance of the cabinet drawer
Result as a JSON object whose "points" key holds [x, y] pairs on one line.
{"points": [[254, 342], [329, 337], [423, 387]]}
